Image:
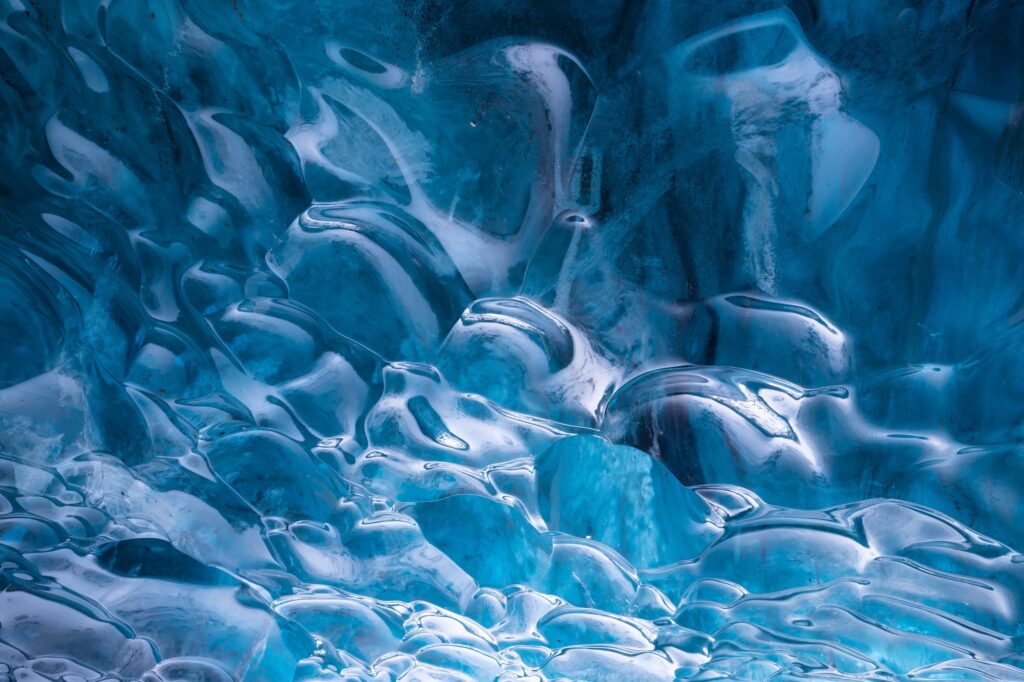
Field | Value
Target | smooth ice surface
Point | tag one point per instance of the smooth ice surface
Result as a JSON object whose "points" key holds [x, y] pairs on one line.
{"points": [[604, 341]]}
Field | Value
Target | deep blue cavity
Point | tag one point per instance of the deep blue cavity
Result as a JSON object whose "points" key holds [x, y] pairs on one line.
{"points": [[604, 340]]}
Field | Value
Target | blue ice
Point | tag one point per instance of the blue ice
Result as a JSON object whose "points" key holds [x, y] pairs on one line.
{"points": [[614, 340]]}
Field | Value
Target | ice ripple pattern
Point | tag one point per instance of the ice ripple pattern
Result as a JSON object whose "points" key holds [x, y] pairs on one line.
{"points": [[417, 340]]}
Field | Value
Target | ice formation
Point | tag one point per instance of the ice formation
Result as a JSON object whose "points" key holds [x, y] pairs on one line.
{"points": [[510, 340]]}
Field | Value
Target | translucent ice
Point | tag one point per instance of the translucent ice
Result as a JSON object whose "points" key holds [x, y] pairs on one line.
{"points": [[408, 340]]}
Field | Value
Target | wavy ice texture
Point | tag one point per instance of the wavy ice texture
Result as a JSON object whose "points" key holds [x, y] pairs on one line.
{"points": [[371, 340]]}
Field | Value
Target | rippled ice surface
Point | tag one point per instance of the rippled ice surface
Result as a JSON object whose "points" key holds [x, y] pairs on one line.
{"points": [[605, 340]]}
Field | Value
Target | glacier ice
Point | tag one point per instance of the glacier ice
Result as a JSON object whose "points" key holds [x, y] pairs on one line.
{"points": [[606, 341]]}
